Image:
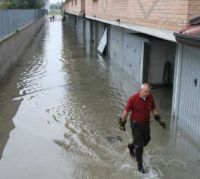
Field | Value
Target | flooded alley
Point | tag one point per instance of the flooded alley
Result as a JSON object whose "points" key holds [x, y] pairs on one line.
{"points": [[59, 114]]}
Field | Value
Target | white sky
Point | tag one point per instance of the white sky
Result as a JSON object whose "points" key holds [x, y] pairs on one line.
{"points": [[55, 1]]}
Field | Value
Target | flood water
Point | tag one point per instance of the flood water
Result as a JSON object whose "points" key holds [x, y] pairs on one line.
{"points": [[59, 115]]}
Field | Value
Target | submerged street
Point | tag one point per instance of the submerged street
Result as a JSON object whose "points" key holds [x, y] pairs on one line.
{"points": [[59, 113]]}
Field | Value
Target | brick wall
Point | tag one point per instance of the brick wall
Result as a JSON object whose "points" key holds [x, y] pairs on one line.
{"points": [[75, 6], [171, 15], [164, 14], [194, 9]]}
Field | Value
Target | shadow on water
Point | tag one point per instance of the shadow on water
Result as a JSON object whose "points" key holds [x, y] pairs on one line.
{"points": [[6, 123], [10, 90]]}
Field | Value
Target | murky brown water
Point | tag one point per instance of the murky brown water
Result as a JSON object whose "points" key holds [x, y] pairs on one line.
{"points": [[59, 117]]}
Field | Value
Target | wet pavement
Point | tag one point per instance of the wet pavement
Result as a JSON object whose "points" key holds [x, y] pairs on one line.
{"points": [[59, 117]]}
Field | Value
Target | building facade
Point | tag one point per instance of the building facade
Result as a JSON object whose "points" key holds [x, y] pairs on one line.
{"points": [[138, 36]]}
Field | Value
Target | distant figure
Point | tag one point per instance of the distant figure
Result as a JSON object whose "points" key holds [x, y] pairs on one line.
{"points": [[50, 19], [53, 17], [140, 105]]}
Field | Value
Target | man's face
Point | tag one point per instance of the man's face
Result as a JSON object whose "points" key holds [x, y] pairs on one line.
{"points": [[144, 92]]}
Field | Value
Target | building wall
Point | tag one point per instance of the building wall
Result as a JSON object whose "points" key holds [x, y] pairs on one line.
{"points": [[72, 20], [162, 14], [100, 31], [74, 6], [194, 9], [83, 5], [88, 32], [80, 24]]}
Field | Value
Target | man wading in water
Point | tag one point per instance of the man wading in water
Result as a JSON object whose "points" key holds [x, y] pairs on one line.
{"points": [[140, 105]]}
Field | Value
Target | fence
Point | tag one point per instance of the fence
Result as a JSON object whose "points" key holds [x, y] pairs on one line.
{"points": [[13, 19]]}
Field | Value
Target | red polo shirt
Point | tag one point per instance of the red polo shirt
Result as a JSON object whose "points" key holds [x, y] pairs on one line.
{"points": [[140, 108]]}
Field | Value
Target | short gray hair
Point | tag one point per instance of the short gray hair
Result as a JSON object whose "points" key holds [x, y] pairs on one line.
{"points": [[145, 85]]}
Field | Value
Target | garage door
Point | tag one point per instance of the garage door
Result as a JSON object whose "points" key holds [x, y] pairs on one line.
{"points": [[127, 50], [189, 100]]}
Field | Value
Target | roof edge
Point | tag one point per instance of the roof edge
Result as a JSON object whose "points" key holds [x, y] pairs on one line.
{"points": [[187, 39]]}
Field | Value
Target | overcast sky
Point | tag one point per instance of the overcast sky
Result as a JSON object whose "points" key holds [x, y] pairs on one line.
{"points": [[55, 1]]}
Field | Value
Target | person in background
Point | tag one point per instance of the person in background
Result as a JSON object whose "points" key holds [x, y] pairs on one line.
{"points": [[140, 105]]}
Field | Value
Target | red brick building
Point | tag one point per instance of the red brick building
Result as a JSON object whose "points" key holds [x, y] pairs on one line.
{"points": [[157, 14]]}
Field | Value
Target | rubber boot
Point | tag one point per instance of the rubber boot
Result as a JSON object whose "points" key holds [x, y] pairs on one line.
{"points": [[140, 167], [131, 148]]}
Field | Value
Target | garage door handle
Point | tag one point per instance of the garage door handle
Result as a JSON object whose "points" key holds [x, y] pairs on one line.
{"points": [[195, 82]]}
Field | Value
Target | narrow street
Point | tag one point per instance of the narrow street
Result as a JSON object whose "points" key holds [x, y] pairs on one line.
{"points": [[59, 113]]}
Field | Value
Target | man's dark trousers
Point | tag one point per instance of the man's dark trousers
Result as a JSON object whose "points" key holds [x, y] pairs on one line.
{"points": [[141, 137]]}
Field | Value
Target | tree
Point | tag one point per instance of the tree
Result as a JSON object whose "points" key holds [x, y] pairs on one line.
{"points": [[5, 4], [57, 5], [37, 4], [27, 4]]}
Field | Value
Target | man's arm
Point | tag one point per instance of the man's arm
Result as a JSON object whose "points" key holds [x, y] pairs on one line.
{"points": [[155, 112], [157, 117], [122, 120], [124, 116]]}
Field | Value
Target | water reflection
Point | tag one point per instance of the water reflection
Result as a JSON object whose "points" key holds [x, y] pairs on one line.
{"points": [[6, 123]]}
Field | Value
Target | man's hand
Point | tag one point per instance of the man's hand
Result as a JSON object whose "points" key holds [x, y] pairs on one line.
{"points": [[122, 124], [162, 123], [157, 117]]}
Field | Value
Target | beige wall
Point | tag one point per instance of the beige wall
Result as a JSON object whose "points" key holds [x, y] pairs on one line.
{"points": [[163, 14], [170, 15], [194, 9], [75, 6]]}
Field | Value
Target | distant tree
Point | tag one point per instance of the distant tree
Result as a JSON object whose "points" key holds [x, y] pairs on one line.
{"points": [[37, 4], [57, 5], [5, 4], [19, 4], [27, 4]]}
